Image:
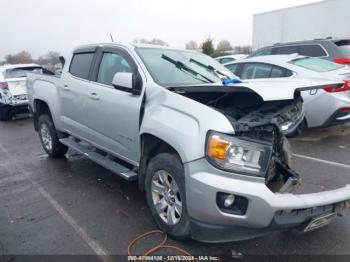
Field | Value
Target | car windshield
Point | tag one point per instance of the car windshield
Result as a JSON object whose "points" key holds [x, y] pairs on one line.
{"points": [[20, 72], [170, 67], [316, 64]]}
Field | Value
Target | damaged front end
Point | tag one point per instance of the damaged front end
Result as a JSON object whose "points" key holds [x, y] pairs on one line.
{"points": [[257, 124]]}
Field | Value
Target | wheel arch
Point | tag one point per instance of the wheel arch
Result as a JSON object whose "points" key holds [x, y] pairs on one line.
{"points": [[40, 107], [151, 146]]}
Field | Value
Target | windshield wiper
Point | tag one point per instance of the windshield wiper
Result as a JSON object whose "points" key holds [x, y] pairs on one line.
{"points": [[211, 68], [186, 68]]}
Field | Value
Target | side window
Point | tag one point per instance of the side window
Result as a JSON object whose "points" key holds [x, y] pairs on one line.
{"points": [[280, 72], [311, 50], [111, 64], [232, 67], [80, 65], [286, 50], [256, 70], [266, 51], [226, 60]]}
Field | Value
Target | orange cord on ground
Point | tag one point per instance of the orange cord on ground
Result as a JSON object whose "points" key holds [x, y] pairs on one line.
{"points": [[157, 247]]}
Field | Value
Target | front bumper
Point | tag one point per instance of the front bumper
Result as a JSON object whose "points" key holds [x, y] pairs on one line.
{"points": [[266, 212]]}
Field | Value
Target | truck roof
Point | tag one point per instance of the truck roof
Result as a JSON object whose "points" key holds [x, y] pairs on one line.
{"points": [[127, 45]]}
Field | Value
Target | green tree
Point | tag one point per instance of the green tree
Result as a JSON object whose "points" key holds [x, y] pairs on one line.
{"points": [[208, 46]]}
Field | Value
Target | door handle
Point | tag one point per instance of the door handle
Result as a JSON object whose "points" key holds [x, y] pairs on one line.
{"points": [[66, 88], [94, 96]]}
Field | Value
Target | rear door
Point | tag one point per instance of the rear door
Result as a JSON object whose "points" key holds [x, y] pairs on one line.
{"points": [[74, 93], [114, 115]]}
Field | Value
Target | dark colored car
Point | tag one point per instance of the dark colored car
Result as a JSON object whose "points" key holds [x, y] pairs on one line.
{"points": [[335, 50]]}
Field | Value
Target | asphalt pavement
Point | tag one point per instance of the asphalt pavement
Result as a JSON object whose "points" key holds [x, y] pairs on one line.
{"points": [[73, 206]]}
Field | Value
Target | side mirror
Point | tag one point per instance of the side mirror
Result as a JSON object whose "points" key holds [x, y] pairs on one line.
{"points": [[128, 82]]}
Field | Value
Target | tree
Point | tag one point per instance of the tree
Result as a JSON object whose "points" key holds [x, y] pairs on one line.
{"points": [[192, 45], [208, 46], [246, 49], [23, 57], [223, 46], [154, 41], [50, 60]]}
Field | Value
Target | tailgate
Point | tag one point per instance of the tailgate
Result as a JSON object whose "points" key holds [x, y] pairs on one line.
{"points": [[17, 86]]}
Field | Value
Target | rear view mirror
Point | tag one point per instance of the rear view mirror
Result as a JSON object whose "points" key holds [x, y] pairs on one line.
{"points": [[122, 80], [128, 82]]}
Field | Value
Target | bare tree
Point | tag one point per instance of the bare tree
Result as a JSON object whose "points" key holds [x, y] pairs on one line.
{"points": [[50, 60], [223, 46], [191, 45], [22, 57], [154, 41]]}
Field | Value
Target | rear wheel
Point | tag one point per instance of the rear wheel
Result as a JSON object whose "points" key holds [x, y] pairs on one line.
{"points": [[5, 113], [166, 196], [49, 138]]}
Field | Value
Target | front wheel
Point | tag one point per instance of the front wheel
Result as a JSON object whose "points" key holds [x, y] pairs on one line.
{"points": [[49, 138], [166, 195]]}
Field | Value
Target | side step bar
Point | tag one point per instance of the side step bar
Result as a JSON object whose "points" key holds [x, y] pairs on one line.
{"points": [[104, 161]]}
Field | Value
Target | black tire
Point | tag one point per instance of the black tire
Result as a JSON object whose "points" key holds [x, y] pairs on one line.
{"points": [[57, 149], [171, 164], [299, 130], [5, 113]]}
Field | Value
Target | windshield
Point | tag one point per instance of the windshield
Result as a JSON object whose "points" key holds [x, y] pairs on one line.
{"points": [[182, 67], [20, 72], [316, 64]]}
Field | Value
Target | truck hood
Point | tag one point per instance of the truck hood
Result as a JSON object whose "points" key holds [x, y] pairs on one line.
{"points": [[284, 89]]}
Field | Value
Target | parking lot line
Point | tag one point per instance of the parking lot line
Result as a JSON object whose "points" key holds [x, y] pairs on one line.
{"points": [[322, 161], [93, 244]]}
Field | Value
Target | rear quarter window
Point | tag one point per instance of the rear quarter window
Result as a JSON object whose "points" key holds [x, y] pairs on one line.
{"points": [[266, 51], [286, 50], [344, 46], [312, 50], [226, 60], [80, 65]]}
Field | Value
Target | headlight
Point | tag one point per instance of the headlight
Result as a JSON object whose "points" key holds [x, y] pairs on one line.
{"points": [[232, 153]]}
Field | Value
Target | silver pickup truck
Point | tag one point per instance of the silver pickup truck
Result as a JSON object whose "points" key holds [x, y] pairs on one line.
{"points": [[208, 150]]}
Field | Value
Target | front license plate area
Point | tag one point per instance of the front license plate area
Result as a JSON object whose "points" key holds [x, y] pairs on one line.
{"points": [[319, 222]]}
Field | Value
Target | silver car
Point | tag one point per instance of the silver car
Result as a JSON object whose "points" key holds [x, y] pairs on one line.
{"points": [[323, 107]]}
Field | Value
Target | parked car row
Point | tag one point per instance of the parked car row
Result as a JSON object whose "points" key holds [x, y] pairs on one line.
{"points": [[323, 58], [324, 107]]}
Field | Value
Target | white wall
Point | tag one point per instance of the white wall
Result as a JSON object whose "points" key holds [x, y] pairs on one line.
{"points": [[317, 20]]}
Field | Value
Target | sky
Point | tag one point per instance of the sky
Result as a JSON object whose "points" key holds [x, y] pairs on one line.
{"points": [[39, 26]]}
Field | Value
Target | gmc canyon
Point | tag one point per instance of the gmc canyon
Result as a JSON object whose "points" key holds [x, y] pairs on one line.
{"points": [[208, 150]]}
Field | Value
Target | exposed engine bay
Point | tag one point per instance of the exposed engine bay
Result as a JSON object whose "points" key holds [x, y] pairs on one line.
{"points": [[253, 118]]}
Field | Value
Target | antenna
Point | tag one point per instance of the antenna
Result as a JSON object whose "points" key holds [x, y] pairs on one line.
{"points": [[111, 37]]}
